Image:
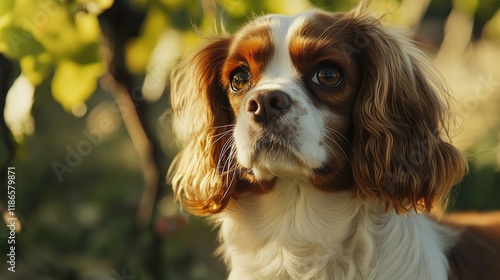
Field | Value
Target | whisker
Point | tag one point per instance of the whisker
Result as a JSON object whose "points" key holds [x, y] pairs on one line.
{"points": [[223, 126], [229, 163], [219, 137], [340, 148], [221, 134], [342, 137], [331, 136], [226, 147]]}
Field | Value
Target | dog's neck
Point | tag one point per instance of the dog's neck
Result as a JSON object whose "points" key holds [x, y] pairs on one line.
{"points": [[298, 232]]}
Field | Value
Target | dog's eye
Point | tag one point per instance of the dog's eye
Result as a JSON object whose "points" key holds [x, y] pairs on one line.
{"points": [[328, 76], [240, 79]]}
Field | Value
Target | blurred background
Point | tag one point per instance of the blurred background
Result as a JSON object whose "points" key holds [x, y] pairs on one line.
{"points": [[86, 124]]}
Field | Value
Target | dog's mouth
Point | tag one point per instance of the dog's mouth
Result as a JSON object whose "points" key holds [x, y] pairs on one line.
{"points": [[290, 145], [273, 145], [275, 155]]}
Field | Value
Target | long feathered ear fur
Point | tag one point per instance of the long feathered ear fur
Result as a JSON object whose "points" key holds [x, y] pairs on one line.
{"points": [[202, 174], [400, 123]]}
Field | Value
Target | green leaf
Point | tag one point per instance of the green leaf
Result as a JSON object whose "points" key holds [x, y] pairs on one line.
{"points": [[62, 29], [36, 67], [17, 42], [138, 50], [95, 6], [468, 7], [74, 83], [6, 7]]}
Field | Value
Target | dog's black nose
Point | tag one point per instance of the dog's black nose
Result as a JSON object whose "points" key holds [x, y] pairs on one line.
{"points": [[265, 106]]}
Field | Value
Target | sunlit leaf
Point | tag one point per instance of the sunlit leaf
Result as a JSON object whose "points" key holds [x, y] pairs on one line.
{"points": [[173, 3], [59, 35], [74, 83], [5, 13], [43, 33], [468, 7], [60, 28], [492, 27], [137, 55], [87, 28], [36, 67], [138, 50], [95, 6], [6, 6]]}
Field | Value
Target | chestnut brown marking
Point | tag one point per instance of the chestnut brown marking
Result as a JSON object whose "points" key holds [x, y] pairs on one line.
{"points": [[315, 44], [252, 48], [476, 253]]}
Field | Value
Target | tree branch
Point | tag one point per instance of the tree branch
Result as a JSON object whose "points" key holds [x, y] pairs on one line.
{"points": [[120, 23]]}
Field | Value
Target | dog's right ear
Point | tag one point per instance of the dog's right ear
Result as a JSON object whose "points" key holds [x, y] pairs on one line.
{"points": [[202, 174]]}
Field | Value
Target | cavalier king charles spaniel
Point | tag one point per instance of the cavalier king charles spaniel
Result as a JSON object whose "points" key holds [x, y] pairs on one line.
{"points": [[317, 143]]}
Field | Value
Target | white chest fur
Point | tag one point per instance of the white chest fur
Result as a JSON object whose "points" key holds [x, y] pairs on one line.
{"points": [[298, 232]]}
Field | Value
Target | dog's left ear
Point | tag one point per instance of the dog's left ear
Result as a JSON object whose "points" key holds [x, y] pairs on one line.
{"points": [[400, 117]]}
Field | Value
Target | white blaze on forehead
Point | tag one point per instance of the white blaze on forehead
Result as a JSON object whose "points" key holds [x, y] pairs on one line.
{"points": [[305, 122], [283, 30]]}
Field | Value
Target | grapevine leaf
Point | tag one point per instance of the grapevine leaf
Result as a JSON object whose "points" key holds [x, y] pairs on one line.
{"points": [[36, 67], [5, 13], [95, 6], [138, 50], [74, 83], [17, 42]]}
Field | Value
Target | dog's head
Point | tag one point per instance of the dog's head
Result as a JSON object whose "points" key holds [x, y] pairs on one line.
{"points": [[335, 99]]}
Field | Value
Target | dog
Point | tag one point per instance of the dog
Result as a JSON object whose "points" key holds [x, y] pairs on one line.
{"points": [[318, 144]]}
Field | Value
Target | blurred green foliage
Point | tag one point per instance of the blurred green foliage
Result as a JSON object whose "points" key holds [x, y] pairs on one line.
{"points": [[83, 226], [55, 35]]}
